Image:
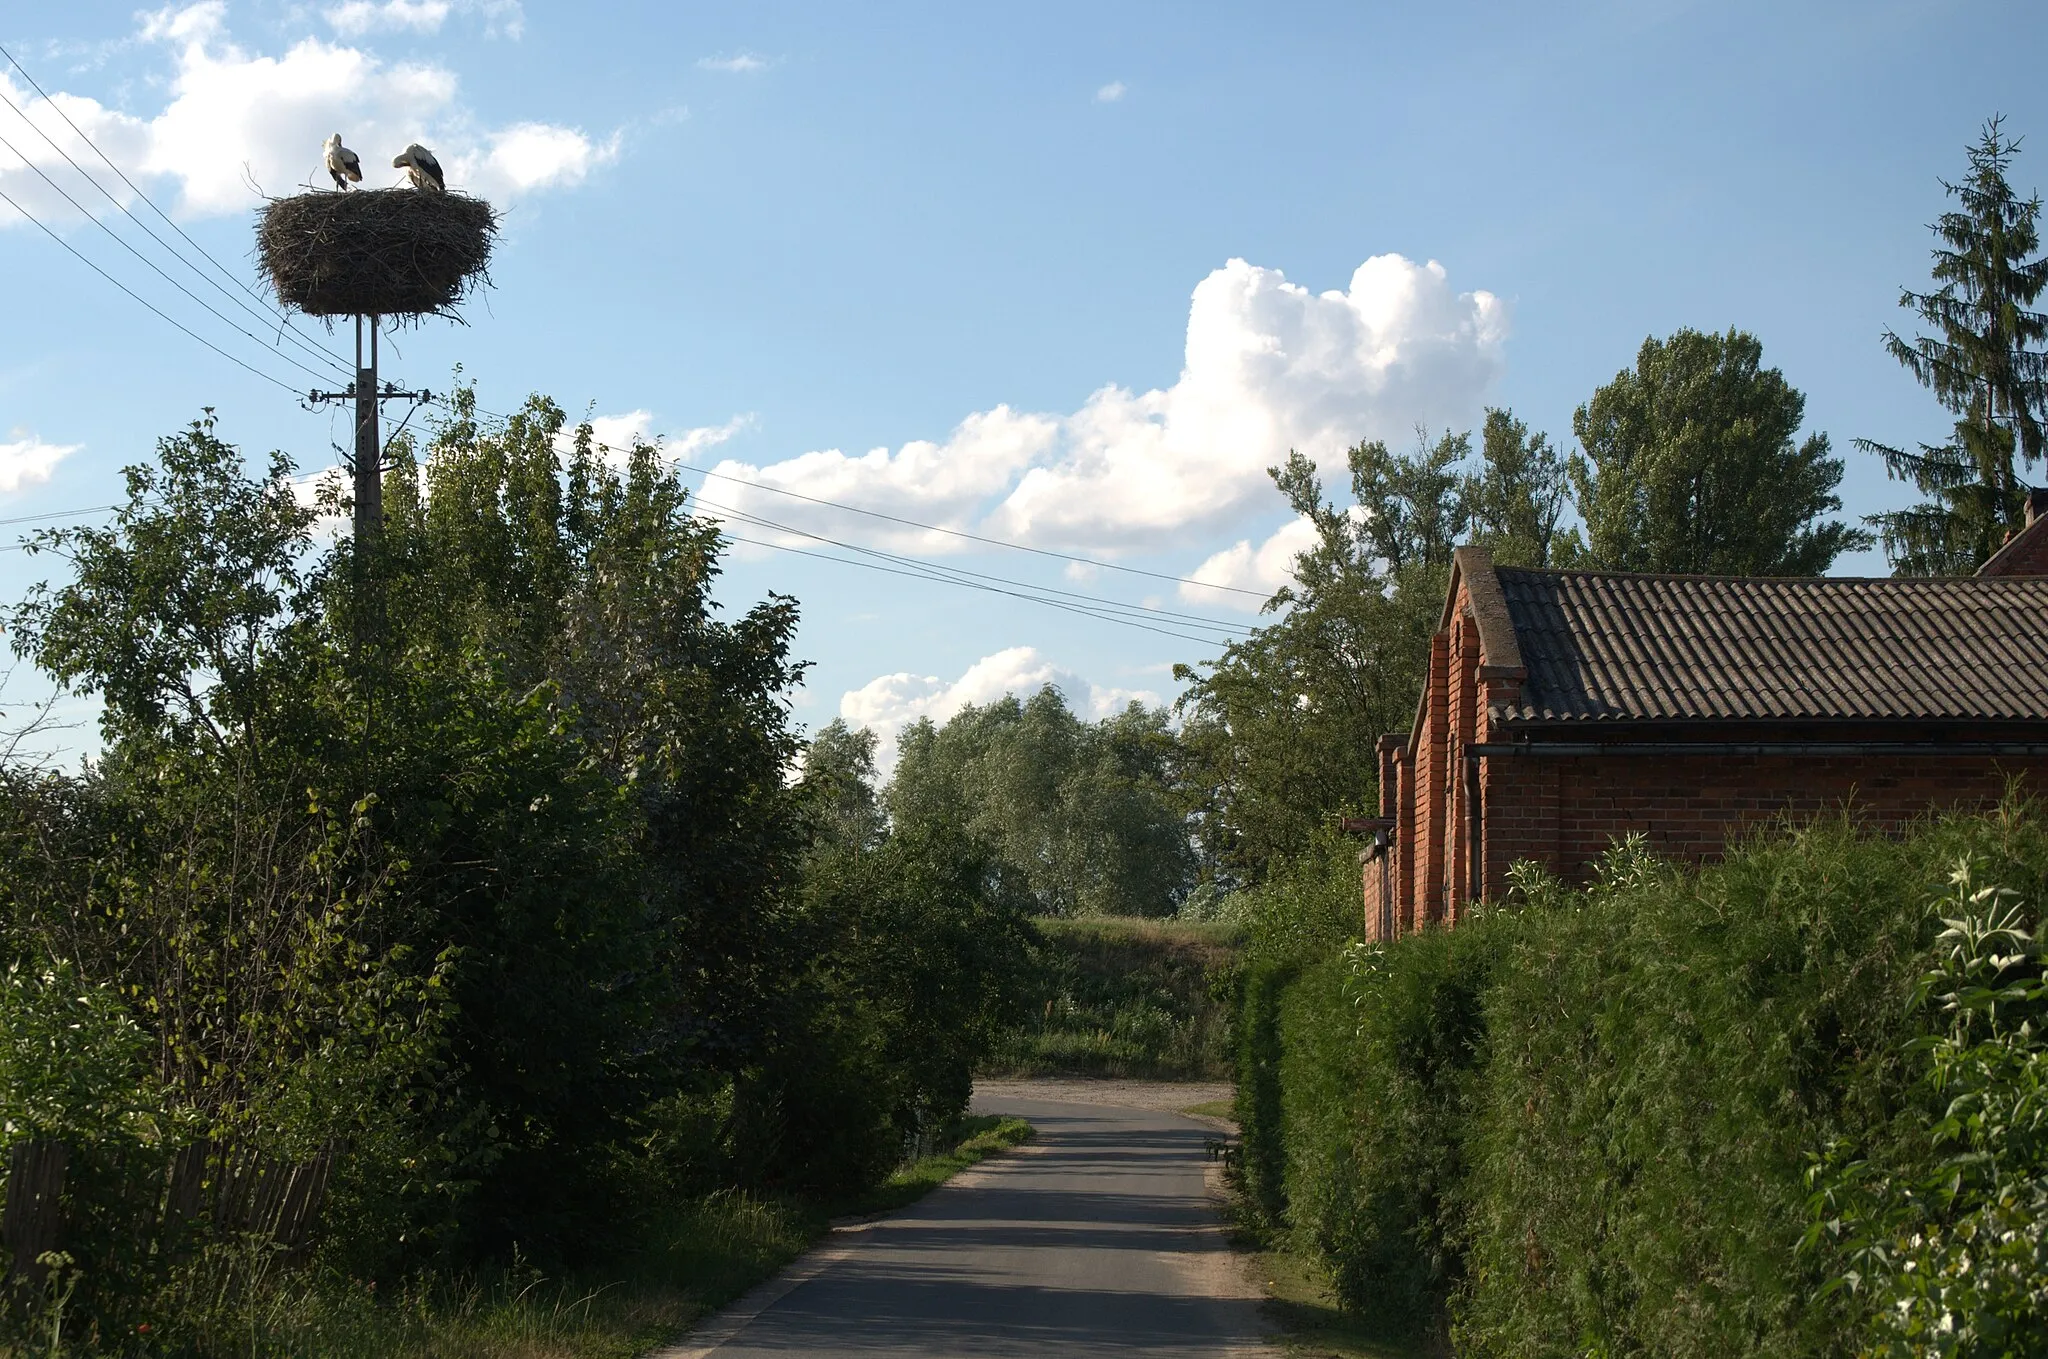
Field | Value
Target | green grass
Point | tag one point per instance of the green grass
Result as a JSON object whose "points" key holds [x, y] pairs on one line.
{"points": [[699, 1257], [1213, 1108], [980, 1138], [1312, 1324], [1125, 997]]}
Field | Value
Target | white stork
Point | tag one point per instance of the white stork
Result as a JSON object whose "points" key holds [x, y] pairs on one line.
{"points": [[342, 163], [421, 168]]}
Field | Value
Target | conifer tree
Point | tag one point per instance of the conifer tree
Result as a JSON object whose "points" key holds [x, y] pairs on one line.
{"points": [[1984, 363]]}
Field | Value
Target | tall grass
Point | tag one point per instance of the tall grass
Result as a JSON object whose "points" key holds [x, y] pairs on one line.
{"points": [[239, 1302], [1117, 996]]}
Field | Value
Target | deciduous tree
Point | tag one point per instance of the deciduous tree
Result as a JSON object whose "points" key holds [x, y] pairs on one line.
{"points": [[1692, 464]]}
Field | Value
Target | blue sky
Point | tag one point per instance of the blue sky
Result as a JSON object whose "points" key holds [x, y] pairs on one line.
{"points": [[1078, 272]]}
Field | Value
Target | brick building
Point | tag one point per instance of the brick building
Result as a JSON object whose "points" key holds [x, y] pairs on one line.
{"points": [[1564, 709]]}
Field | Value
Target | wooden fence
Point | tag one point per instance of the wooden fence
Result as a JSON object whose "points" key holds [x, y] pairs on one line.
{"points": [[228, 1189]]}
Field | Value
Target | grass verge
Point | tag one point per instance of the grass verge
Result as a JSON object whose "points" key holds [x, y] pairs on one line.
{"points": [[1312, 1325], [980, 1138], [699, 1257]]}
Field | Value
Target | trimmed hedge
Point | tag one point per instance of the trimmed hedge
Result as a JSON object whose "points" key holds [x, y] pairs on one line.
{"points": [[1582, 1125], [1260, 1117]]}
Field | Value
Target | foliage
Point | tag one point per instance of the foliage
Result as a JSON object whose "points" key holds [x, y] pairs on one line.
{"points": [[1118, 997], [494, 879], [1379, 1078], [1690, 465], [1950, 1257], [839, 788], [1077, 817], [73, 1062], [1582, 1121], [921, 968], [1280, 730], [1985, 363], [1260, 1099]]}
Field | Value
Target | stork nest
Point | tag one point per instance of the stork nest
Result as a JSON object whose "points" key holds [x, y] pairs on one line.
{"points": [[377, 252]]}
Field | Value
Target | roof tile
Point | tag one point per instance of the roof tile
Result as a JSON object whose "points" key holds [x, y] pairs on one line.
{"points": [[1606, 646]]}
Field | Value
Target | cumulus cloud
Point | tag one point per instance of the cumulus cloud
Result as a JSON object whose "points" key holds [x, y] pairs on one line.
{"points": [[1269, 366], [743, 63], [616, 434], [1110, 93], [889, 703], [234, 117], [1263, 567], [28, 461], [947, 484]]}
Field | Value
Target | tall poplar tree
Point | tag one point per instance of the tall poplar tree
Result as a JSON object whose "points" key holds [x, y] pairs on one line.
{"points": [[1983, 362], [1692, 464]]}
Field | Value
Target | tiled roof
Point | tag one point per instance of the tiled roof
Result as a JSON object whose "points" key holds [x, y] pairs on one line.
{"points": [[1604, 646]]}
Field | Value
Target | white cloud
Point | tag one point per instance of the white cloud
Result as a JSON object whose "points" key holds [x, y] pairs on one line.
{"points": [[1269, 366], [743, 63], [1110, 93], [947, 484], [358, 17], [236, 117], [889, 703], [1264, 567], [28, 461], [616, 434], [529, 156], [354, 18]]}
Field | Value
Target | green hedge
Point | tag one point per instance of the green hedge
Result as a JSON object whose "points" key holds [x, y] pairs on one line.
{"points": [[1582, 1125], [1260, 1118]]}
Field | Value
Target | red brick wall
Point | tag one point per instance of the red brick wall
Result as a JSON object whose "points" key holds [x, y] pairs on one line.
{"points": [[2026, 555], [1564, 811]]}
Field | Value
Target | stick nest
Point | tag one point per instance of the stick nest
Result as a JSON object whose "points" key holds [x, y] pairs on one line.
{"points": [[377, 252]]}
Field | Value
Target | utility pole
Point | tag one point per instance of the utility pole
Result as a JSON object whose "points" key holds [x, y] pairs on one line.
{"points": [[369, 449], [366, 396]]}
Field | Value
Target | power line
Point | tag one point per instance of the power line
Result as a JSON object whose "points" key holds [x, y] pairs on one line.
{"points": [[707, 474], [1091, 601], [273, 381], [962, 533], [991, 589], [325, 355], [119, 240], [285, 320]]}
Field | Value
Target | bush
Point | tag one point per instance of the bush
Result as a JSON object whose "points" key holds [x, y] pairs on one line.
{"points": [[1581, 1124], [1260, 1104], [1381, 1059]]}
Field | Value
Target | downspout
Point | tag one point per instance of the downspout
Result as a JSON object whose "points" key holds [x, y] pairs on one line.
{"points": [[1474, 825]]}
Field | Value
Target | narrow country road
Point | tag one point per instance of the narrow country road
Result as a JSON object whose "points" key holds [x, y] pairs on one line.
{"points": [[1099, 1238]]}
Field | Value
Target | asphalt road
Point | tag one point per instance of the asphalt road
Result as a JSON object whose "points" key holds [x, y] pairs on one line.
{"points": [[1098, 1238]]}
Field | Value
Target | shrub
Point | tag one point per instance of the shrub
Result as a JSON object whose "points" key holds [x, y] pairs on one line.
{"points": [[1260, 1105], [1582, 1122], [1949, 1259], [1382, 1052]]}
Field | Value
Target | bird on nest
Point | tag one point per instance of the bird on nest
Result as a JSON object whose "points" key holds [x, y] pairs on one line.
{"points": [[421, 168], [342, 163]]}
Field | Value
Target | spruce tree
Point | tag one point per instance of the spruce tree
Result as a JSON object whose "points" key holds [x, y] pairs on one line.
{"points": [[1984, 363]]}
